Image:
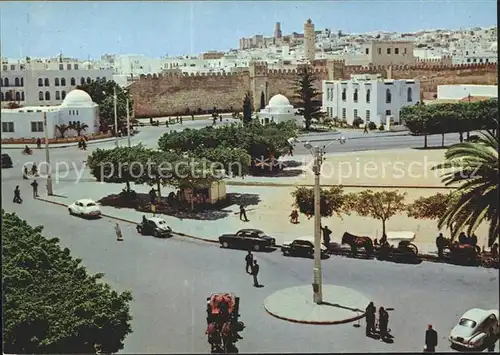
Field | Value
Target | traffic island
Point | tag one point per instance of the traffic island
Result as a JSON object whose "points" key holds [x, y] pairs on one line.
{"points": [[295, 304]]}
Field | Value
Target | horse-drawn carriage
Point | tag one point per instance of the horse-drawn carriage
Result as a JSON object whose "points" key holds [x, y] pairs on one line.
{"points": [[222, 322]]}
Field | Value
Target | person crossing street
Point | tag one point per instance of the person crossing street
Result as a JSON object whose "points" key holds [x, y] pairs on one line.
{"points": [[370, 318], [34, 184], [255, 272], [17, 195], [431, 339], [249, 262]]}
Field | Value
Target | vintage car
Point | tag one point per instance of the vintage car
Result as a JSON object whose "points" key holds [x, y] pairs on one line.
{"points": [[154, 226], [85, 208], [6, 161], [302, 247], [254, 239], [475, 329]]}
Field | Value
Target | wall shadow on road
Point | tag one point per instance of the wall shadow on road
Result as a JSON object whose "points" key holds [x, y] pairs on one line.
{"points": [[173, 208], [433, 147]]}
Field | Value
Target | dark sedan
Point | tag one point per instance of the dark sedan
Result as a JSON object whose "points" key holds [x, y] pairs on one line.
{"points": [[302, 247], [6, 161], [249, 239]]}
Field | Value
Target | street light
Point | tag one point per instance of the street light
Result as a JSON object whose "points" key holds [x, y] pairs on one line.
{"points": [[317, 153], [128, 120], [116, 116], [47, 156]]}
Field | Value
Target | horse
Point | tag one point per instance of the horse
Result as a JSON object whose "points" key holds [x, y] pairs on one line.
{"points": [[356, 242], [214, 337]]}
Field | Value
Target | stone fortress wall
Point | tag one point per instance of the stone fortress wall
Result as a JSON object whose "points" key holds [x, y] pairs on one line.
{"points": [[174, 93]]}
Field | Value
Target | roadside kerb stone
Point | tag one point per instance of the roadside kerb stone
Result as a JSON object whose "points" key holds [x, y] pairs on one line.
{"points": [[295, 304], [271, 184], [59, 145], [132, 222]]}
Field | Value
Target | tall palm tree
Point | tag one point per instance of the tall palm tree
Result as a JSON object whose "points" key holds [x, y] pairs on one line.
{"points": [[62, 128], [475, 167]]}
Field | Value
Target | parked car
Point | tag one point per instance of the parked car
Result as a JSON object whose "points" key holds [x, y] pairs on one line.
{"points": [[85, 208], [154, 226], [6, 161], [303, 247], [475, 329], [248, 239]]}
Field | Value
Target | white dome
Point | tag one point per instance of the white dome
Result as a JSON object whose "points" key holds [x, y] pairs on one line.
{"points": [[278, 101], [493, 47], [77, 98]]}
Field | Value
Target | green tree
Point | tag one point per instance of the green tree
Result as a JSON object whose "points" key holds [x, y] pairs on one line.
{"points": [[62, 129], [50, 302], [247, 108], [234, 161], [379, 205], [474, 167], [78, 127], [102, 93], [262, 100], [306, 93], [332, 201]]}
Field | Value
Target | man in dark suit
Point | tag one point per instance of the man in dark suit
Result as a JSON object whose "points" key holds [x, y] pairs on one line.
{"points": [[431, 340], [255, 272]]}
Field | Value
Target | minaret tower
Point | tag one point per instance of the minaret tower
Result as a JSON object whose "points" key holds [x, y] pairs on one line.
{"points": [[309, 40]]}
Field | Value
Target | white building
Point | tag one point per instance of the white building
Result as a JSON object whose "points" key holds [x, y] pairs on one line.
{"points": [[45, 82], [369, 97], [27, 122], [278, 110], [459, 92]]}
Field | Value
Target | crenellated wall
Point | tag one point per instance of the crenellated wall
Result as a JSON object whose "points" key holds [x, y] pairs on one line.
{"points": [[174, 93]]}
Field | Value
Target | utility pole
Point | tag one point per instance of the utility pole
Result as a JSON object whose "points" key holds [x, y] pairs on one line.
{"points": [[116, 116], [128, 123], [47, 156], [318, 282]]}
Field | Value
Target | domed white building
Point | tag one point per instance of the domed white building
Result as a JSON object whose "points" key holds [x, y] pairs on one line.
{"points": [[278, 110], [27, 122]]}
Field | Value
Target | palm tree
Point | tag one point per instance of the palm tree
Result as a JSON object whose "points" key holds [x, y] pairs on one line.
{"points": [[62, 128], [78, 127], [475, 168]]}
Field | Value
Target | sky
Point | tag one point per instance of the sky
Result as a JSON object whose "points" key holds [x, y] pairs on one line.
{"points": [[88, 29]]}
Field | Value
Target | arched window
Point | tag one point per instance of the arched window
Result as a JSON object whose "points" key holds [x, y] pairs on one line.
{"points": [[355, 95], [82, 81], [58, 95], [1, 96], [40, 82], [388, 96], [46, 82], [47, 96], [97, 79], [8, 96], [18, 96], [104, 78], [63, 82], [22, 81], [56, 81], [6, 82], [368, 93], [89, 80], [1, 82], [40, 96], [409, 95], [344, 94], [77, 112], [63, 94], [22, 96], [72, 81], [16, 82]]}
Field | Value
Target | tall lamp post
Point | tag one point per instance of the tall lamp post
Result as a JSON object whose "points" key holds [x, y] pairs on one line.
{"points": [[116, 116], [47, 156], [128, 120], [317, 153]]}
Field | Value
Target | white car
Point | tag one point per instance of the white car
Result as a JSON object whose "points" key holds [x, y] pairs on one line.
{"points": [[475, 329], [84, 207]]}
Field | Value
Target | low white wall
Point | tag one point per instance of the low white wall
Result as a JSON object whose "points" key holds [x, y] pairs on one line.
{"points": [[457, 92]]}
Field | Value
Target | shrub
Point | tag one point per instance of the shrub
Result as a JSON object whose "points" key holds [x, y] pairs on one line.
{"points": [[381, 127], [357, 122], [372, 126]]}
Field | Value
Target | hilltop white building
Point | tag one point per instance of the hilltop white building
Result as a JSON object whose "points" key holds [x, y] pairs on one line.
{"points": [[278, 110], [45, 82], [27, 122], [369, 97]]}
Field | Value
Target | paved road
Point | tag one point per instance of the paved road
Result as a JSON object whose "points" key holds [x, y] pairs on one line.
{"points": [[171, 278]]}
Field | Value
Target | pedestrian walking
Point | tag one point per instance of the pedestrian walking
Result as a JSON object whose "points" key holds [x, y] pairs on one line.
{"points": [[383, 322], [34, 184], [152, 196], [370, 318], [294, 217], [255, 272], [249, 262], [290, 150], [440, 245], [366, 129], [326, 235], [243, 214], [25, 173], [431, 339], [118, 232], [17, 195], [34, 170]]}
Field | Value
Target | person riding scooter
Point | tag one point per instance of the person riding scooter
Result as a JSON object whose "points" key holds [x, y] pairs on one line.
{"points": [[27, 150]]}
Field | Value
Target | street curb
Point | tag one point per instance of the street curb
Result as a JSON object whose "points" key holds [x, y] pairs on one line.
{"points": [[64, 145], [132, 222], [271, 184], [381, 135], [343, 321]]}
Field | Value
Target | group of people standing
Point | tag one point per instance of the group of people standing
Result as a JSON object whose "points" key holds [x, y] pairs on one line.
{"points": [[252, 268], [383, 321]]}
